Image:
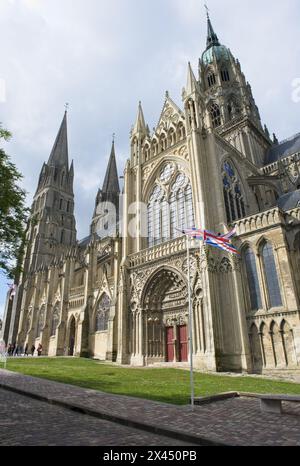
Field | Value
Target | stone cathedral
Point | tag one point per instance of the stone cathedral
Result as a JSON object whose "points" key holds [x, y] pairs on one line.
{"points": [[124, 297]]}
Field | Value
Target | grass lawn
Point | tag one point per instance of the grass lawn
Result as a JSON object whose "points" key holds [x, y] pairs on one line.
{"points": [[166, 385]]}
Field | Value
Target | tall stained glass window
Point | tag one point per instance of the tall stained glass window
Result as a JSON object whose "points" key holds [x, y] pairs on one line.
{"points": [[170, 206], [253, 282], [271, 276]]}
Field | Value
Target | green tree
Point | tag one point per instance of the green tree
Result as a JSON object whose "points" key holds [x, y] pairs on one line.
{"points": [[13, 213]]}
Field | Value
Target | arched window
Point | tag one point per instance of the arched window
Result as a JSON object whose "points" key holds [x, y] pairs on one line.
{"points": [[40, 322], [252, 277], [211, 79], [54, 321], [271, 276], [233, 196], [146, 152], [155, 147], [171, 138], [215, 115], [163, 142], [103, 314], [297, 260], [170, 206], [225, 75]]}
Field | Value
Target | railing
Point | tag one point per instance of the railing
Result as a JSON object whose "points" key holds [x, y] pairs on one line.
{"points": [[168, 248], [286, 161], [259, 221]]}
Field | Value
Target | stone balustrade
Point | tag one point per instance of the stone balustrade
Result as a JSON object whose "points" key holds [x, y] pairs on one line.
{"points": [[77, 292], [168, 248], [260, 221]]}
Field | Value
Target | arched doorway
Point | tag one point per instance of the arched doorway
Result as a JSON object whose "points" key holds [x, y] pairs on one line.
{"points": [[72, 335], [165, 317]]}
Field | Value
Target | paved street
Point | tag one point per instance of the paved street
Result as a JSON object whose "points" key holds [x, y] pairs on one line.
{"points": [[27, 422], [235, 421]]}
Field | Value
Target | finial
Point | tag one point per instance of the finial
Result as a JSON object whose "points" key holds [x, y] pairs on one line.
{"points": [[167, 94], [67, 106], [113, 138]]}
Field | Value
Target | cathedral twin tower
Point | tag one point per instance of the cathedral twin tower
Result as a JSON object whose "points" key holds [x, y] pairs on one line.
{"points": [[124, 298]]}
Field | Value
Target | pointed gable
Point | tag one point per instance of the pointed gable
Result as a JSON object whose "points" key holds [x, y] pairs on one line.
{"points": [[171, 115]]}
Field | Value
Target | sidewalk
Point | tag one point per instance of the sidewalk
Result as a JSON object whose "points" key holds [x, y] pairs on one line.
{"points": [[234, 421]]}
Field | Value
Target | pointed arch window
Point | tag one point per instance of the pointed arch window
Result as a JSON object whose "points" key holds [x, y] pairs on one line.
{"points": [[225, 75], [271, 276], [215, 115], [170, 206], [252, 278], [233, 195], [103, 314], [211, 79]]}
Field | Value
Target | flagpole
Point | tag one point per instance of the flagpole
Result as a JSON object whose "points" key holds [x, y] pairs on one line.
{"points": [[191, 324]]}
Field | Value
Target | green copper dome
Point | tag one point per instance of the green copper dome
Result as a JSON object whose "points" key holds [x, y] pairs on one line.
{"points": [[219, 51], [213, 46]]}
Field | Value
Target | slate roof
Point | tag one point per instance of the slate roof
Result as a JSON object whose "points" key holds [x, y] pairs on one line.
{"points": [[290, 200], [283, 149]]}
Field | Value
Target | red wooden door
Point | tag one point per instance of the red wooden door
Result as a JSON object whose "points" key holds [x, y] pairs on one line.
{"points": [[183, 343], [170, 344]]}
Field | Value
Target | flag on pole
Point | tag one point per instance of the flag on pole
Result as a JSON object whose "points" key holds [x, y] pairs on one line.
{"points": [[219, 242], [210, 238]]}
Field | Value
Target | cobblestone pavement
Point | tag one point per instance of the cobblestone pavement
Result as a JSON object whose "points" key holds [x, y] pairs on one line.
{"points": [[235, 421], [28, 422]]}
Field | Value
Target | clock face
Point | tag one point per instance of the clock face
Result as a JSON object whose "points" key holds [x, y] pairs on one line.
{"points": [[167, 172]]}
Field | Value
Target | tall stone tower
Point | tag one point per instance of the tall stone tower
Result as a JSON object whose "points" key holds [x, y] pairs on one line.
{"points": [[229, 103], [52, 223], [51, 226], [106, 213]]}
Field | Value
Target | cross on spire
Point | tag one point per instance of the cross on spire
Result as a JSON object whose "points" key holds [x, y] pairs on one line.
{"points": [[67, 106], [207, 9]]}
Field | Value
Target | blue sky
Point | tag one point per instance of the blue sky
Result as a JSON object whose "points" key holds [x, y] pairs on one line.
{"points": [[103, 56]]}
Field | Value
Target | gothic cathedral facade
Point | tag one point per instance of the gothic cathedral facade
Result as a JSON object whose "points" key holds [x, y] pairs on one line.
{"points": [[124, 297]]}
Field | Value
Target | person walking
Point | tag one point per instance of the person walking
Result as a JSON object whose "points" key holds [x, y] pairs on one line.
{"points": [[32, 350], [26, 350], [39, 350]]}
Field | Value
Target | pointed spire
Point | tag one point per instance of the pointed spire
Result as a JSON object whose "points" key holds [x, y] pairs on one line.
{"points": [[111, 180], [140, 125], [59, 154], [192, 84], [212, 38]]}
